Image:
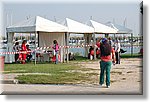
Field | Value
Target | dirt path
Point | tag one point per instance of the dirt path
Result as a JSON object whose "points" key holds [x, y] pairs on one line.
{"points": [[124, 76]]}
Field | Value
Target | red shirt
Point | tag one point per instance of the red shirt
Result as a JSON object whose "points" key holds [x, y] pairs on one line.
{"points": [[98, 44], [108, 58], [24, 48]]}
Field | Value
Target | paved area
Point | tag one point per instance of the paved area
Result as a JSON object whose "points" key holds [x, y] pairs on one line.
{"points": [[65, 89]]}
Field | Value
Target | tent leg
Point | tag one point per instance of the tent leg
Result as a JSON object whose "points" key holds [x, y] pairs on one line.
{"points": [[131, 44], [94, 40], [85, 47], [35, 50], [67, 42]]}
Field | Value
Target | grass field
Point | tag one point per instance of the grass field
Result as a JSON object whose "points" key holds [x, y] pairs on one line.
{"points": [[50, 73]]}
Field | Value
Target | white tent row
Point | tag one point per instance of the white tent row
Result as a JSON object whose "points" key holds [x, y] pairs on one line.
{"points": [[48, 30]]}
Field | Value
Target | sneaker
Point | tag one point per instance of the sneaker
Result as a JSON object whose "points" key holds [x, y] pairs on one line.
{"points": [[102, 85], [108, 86]]}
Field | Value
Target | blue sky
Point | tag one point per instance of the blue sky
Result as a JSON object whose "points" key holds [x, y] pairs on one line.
{"points": [[80, 11]]}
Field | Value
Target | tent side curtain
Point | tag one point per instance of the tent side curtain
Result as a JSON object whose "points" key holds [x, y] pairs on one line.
{"points": [[46, 39]]}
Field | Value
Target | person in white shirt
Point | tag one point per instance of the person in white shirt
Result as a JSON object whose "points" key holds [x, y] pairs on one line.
{"points": [[117, 51], [16, 48]]}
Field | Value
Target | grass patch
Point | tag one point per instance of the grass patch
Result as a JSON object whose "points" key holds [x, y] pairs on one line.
{"points": [[112, 81], [39, 68], [123, 78], [116, 72], [81, 58], [66, 73], [130, 72], [65, 78], [130, 56]]}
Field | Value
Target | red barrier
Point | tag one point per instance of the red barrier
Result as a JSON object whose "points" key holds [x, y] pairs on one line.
{"points": [[2, 60]]}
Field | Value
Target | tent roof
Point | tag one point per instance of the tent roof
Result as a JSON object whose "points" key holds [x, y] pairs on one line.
{"points": [[37, 24], [121, 29], [101, 28], [77, 27]]}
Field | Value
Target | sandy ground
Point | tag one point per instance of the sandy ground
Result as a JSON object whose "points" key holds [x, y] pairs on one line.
{"points": [[126, 78]]}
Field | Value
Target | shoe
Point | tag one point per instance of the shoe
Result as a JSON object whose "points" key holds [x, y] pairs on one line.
{"points": [[101, 85], [108, 86]]}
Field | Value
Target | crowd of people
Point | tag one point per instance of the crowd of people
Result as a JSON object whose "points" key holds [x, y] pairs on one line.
{"points": [[25, 54], [115, 45]]}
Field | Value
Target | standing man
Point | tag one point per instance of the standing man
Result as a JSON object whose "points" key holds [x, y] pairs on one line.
{"points": [[107, 54], [117, 51]]}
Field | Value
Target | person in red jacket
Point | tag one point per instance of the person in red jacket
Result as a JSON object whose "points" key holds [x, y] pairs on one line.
{"points": [[24, 49]]}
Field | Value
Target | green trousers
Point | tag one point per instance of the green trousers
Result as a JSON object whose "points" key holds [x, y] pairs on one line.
{"points": [[105, 66]]}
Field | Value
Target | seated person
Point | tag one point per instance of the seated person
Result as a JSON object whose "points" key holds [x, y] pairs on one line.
{"points": [[141, 52], [122, 51], [71, 56]]}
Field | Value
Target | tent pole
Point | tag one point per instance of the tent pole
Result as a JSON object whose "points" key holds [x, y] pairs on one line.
{"points": [[35, 50], [114, 36], [67, 42], [94, 40], [64, 51], [131, 44], [85, 47]]}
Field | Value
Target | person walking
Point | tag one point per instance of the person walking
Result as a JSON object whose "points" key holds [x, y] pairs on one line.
{"points": [[107, 55], [56, 49]]}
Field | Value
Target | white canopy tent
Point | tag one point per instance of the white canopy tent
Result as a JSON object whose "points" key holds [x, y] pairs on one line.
{"points": [[121, 29], [46, 30], [101, 28], [77, 27]]}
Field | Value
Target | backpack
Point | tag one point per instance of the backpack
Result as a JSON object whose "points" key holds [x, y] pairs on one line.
{"points": [[105, 49]]}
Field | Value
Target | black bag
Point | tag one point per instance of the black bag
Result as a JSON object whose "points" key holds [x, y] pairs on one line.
{"points": [[105, 49]]}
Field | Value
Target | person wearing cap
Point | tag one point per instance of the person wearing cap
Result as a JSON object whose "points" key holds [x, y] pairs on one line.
{"points": [[107, 57]]}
